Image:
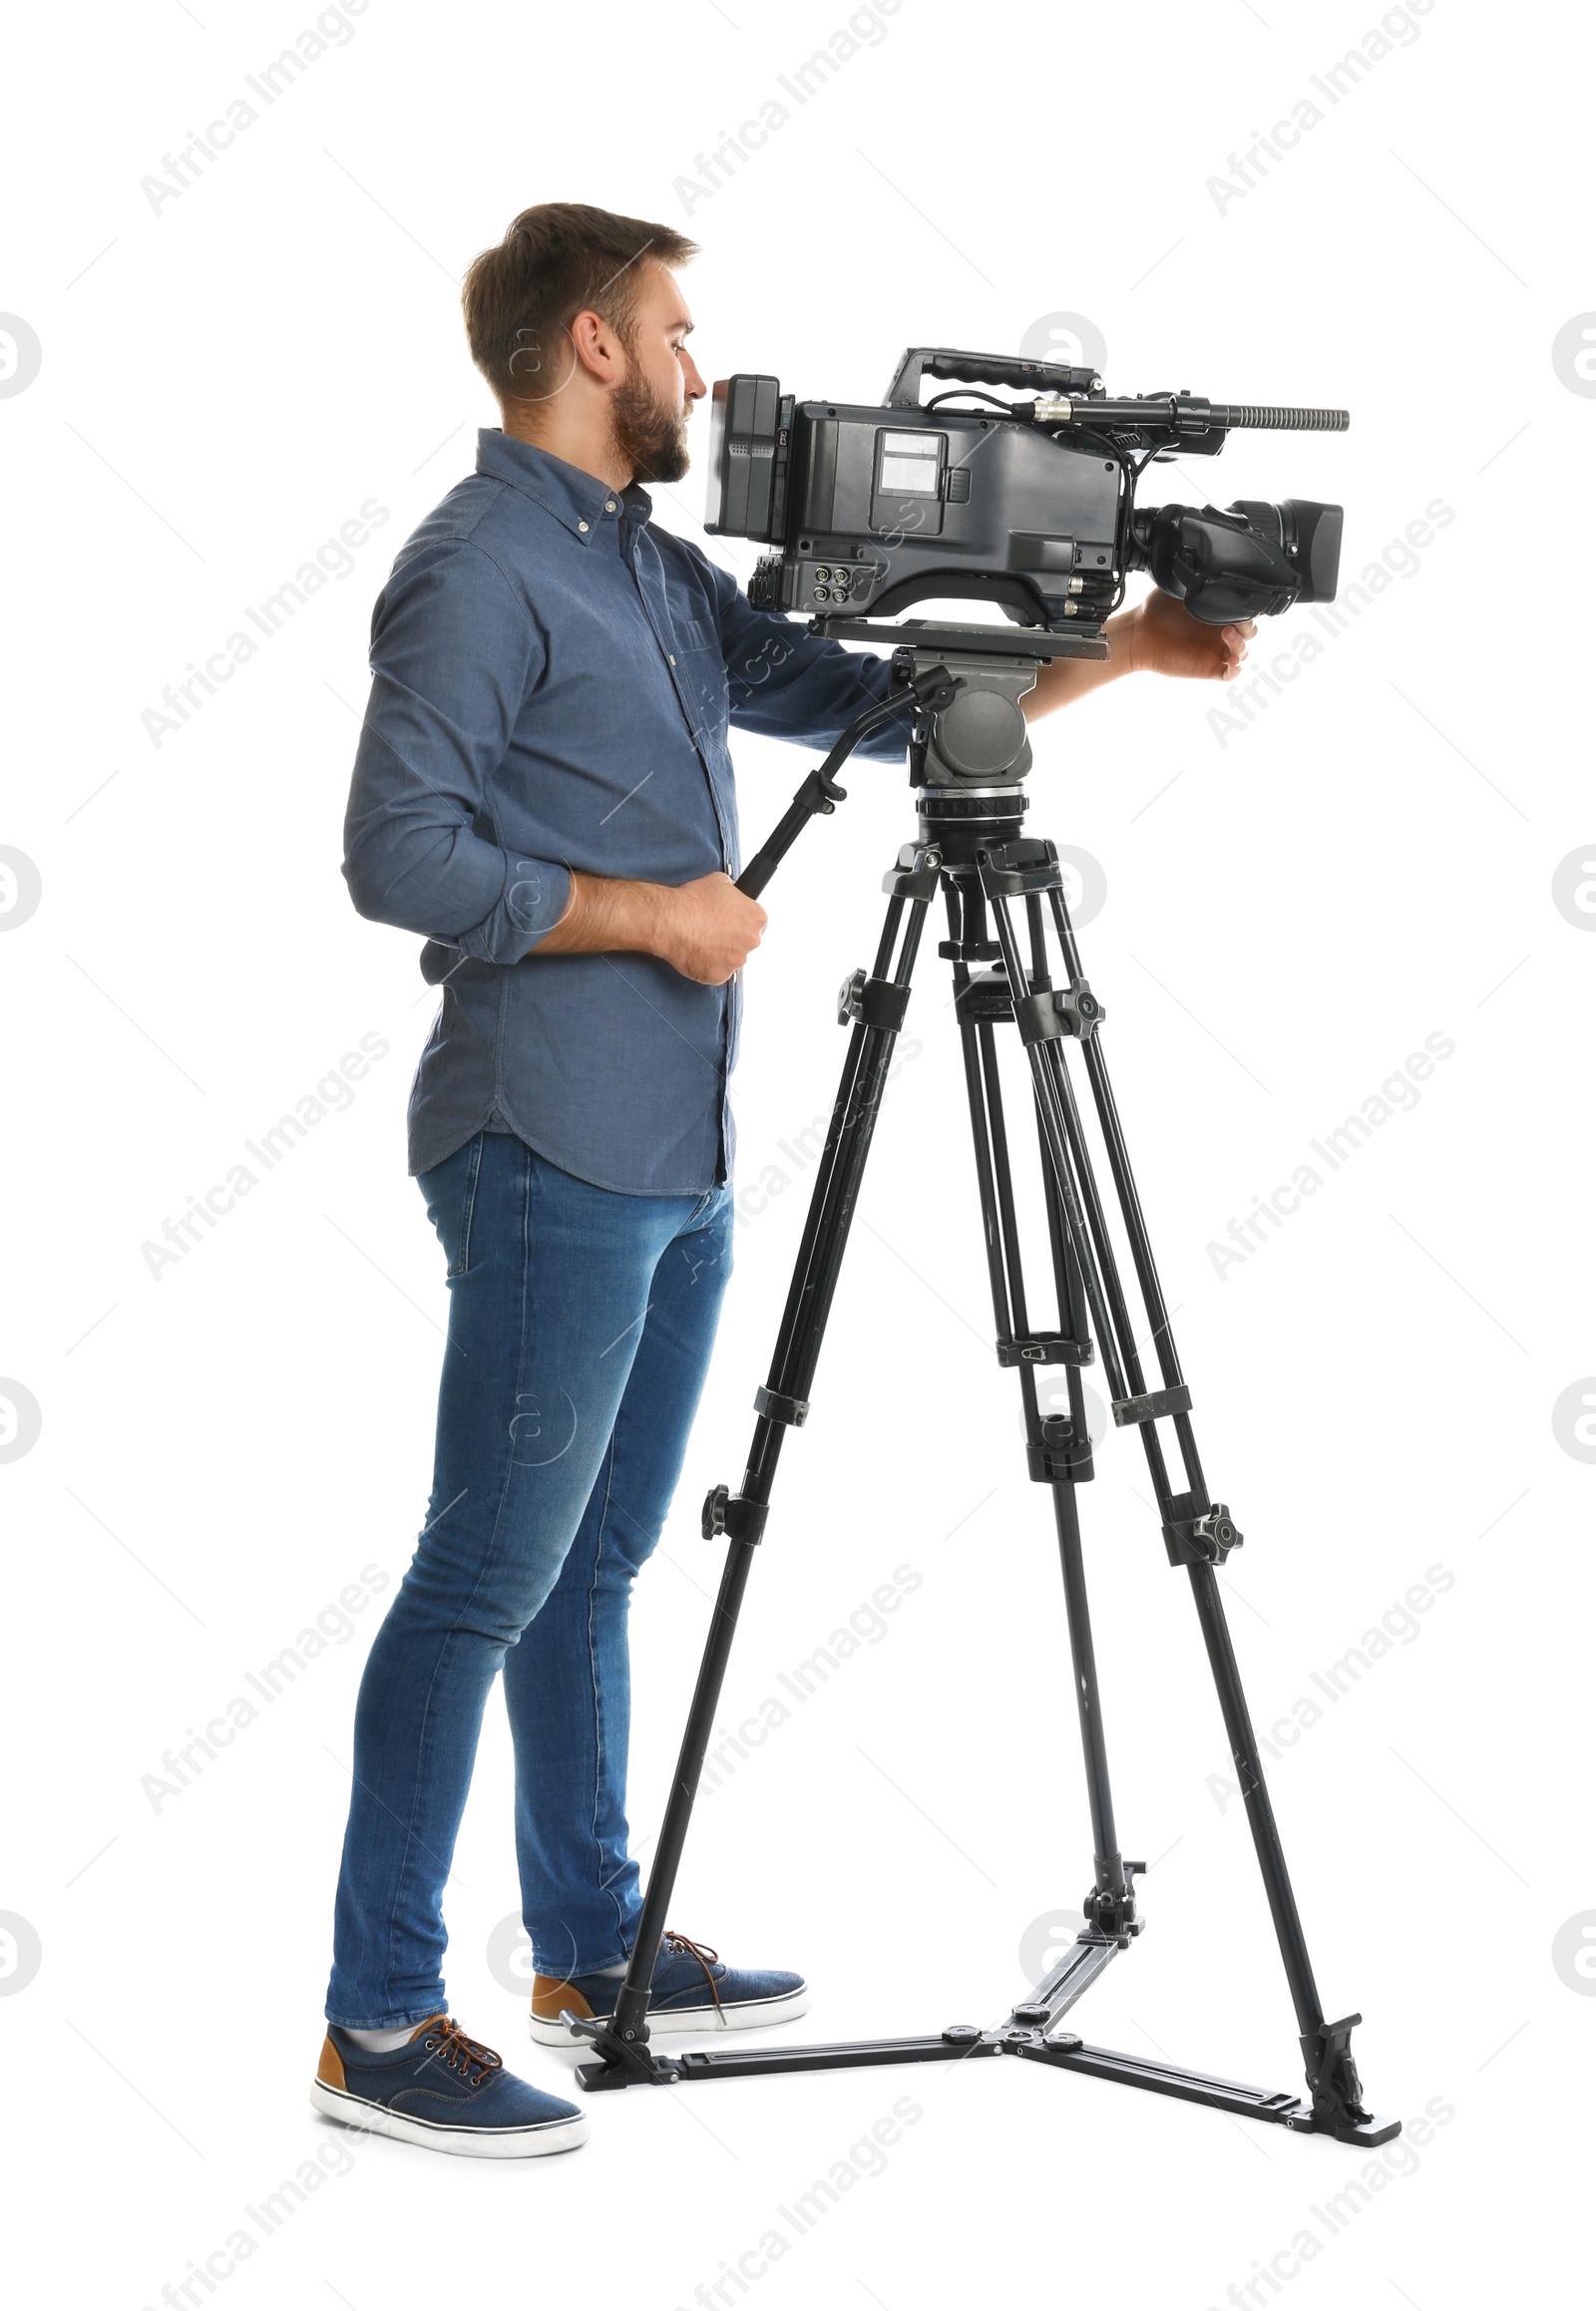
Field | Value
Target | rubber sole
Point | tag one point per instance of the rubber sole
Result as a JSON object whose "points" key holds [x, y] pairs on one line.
{"points": [[464, 2141], [672, 2021]]}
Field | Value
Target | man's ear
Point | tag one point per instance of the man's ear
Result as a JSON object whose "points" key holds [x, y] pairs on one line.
{"points": [[597, 347]]}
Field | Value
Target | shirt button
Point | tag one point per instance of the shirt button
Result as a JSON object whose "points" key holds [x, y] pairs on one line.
{"points": [[609, 505], [672, 660], [582, 524]]}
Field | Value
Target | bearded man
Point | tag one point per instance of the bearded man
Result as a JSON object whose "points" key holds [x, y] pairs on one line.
{"points": [[543, 792]]}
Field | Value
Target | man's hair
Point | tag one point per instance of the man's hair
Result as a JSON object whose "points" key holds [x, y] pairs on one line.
{"points": [[555, 262]]}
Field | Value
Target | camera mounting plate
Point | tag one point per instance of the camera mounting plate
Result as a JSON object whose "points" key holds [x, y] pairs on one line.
{"points": [[986, 641]]}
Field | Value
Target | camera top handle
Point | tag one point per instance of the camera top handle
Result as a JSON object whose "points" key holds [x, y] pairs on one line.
{"points": [[982, 368], [1075, 397]]}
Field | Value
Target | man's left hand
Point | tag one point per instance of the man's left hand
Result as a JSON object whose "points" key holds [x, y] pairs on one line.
{"points": [[1158, 637], [1162, 638]]}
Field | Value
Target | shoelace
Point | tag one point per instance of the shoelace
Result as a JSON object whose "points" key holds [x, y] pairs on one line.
{"points": [[462, 2053], [681, 1946]]}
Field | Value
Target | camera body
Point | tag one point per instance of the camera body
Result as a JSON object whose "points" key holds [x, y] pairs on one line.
{"points": [[1028, 504]]}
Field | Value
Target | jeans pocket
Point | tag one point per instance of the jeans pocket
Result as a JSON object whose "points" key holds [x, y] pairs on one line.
{"points": [[468, 1204], [450, 1189]]}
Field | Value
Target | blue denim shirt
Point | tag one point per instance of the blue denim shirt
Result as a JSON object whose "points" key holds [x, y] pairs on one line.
{"points": [[552, 682]]}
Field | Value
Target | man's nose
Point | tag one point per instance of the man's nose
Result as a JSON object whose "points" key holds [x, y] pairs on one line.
{"points": [[696, 386]]}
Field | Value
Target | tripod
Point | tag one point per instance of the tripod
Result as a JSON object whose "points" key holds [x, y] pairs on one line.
{"points": [[1003, 893]]}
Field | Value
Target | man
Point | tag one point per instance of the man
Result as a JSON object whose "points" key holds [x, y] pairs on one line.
{"points": [[543, 789]]}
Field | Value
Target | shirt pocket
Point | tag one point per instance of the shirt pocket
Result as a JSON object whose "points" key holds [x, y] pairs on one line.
{"points": [[702, 666]]}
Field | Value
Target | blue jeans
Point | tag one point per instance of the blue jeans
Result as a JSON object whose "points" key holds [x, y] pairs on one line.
{"points": [[580, 1328]]}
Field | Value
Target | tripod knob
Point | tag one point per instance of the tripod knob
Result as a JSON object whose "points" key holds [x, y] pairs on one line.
{"points": [[1215, 1534], [1083, 1013], [874, 1002], [729, 1513]]}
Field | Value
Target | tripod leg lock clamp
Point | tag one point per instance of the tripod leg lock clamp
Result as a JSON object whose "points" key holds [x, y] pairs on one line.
{"points": [[772, 1405], [1202, 1540], [875, 1003], [1058, 1012], [1046, 1347], [1157, 1404], [1060, 1455], [726, 1512]]}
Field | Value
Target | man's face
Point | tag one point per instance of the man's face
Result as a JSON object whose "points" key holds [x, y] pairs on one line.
{"points": [[650, 412]]}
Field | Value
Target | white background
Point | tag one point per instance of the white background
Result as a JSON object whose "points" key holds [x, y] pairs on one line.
{"points": [[1369, 864]]}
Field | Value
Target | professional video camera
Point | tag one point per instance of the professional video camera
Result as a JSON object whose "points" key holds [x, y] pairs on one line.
{"points": [[1029, 503]]}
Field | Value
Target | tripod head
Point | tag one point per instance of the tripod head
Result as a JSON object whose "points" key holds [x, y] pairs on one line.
{"points": [[968, 750], [973, 742]]}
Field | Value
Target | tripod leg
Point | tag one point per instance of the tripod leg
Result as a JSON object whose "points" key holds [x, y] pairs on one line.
{"points": [[1197, 1534], [1260, 1813], [1062, 1463], [1112, 1901], [1206, 1596], [875, 1004]]}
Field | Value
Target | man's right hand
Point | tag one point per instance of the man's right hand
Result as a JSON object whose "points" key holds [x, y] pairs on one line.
{"points": [[707, 930]]}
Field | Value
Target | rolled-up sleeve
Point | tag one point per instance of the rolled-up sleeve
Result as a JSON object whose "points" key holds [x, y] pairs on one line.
{"points": [[787, 684], [455, 652]]}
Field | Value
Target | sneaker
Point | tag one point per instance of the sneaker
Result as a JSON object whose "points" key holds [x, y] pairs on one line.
{"points": [[444, 2090], [691, 1989]]}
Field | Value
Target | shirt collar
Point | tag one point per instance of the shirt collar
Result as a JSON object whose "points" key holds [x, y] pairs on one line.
{"points": [[581, 501]]}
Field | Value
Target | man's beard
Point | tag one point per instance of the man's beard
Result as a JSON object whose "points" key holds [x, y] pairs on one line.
{"points": [[649, 437]]}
